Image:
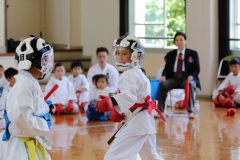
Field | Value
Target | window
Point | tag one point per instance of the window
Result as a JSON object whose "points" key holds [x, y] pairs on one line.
{"points": [[234, 25], [155, 22]]}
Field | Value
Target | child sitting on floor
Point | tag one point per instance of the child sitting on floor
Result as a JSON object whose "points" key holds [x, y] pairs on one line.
{"points": [[228, 93], [64, 98], [80, 83], [101, 88], [3, 81], [9, 74]]}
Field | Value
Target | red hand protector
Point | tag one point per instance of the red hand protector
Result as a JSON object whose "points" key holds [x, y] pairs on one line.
{"points": [[231, 104], [216, 101], [59, 108], [187, 92], [115, 116], [105, 104], [78, 92], [225, 102], [102, 96], [70, 107], [231, 112], [227, 92]]}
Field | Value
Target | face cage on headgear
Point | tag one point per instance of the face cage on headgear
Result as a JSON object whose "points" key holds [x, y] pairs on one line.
{"points": [[136, 56], [47, 59]]}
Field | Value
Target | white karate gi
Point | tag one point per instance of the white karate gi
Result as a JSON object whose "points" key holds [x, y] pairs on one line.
{"points": [[24, 100], [80, 82], [109, 70], [138, 135], [64, 93], [3, 81], [233, 81], [3, 99], [95, 92]]}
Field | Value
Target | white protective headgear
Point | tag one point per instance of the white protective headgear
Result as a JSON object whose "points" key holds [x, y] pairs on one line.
{"points": [[133, 43], [31, 49]]}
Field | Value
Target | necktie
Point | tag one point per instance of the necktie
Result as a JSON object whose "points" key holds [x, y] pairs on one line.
{"points": [[179, 66]]}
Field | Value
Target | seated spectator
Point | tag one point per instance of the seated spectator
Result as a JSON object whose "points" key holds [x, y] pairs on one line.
{"points": [[100, 88], [64, 98], [228, 93], [102, 67], [182, 65], [3, 81], [9, 74], [80, 83]]}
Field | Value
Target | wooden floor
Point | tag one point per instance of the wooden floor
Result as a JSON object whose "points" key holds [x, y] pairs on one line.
{"points": [[211, 136]]}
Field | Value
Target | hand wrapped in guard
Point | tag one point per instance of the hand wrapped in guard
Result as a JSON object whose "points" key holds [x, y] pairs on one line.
{"points": [[51, 106], [105, 104]]}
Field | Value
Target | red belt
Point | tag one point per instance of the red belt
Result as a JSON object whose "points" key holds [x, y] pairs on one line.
{"points": [[149, 105]]}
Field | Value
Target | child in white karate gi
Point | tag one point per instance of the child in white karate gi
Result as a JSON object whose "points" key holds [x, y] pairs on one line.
{"points": [[100, 82], [228, 93], [9, 74], [27, 113], [102, 67], [138, 133], [64, 98], [80, 83], [3, 81]]}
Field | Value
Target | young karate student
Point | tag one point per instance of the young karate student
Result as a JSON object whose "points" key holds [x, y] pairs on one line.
{"points": [[80, 83], [25, 137], [101, 88], [9, 74], [138, 133], [3, 81], [64, 98], [228, 93], [102, 67]]}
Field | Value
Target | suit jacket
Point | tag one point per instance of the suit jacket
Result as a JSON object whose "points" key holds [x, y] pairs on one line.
{"points": [[191, 64]]}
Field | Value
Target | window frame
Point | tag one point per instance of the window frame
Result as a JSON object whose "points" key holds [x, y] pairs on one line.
{"points": [[132, 24]]}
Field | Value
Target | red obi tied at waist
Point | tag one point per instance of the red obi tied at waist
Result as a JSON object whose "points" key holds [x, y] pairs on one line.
{"points": [[150, 105]]}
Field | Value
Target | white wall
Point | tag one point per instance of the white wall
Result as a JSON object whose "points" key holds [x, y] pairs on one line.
{"points": [[23, 18], [2, 27], [99, 25], [8, 61], [56, 21], [75, 23], [202, 32]]}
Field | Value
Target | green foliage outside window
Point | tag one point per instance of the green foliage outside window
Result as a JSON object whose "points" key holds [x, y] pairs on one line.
{"points": [[175, 19]]}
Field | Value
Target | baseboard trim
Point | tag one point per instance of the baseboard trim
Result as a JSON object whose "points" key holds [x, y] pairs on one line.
{"points": [[204, 96]]}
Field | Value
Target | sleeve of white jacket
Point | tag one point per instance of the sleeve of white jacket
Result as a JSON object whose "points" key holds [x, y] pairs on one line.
{"points": [[128, 94], [85, 83], [225, 83], [22, 116], [71, 93], [3, 99], [237, 90], [48, 87], [90, 74], [114, 79]]}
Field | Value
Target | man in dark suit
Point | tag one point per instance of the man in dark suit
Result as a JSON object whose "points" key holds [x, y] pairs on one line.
{"points": [[182, 64]]}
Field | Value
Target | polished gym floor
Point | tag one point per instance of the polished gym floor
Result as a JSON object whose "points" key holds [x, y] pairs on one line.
{"points": [[210, 136]]}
